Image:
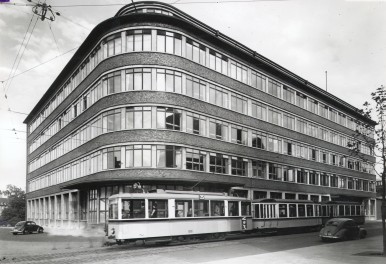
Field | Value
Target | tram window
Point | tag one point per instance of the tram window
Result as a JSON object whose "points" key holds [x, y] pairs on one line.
{"points": [[282, 210], [113, 211], [301, 210], [133, 209], [233, 208], [201, 208], [347, 210], [318, 211], [183, 208], [341, 210], [245, 208], [292, 210], [158, 208], [257, 211], [310, 210], [217, 208]]}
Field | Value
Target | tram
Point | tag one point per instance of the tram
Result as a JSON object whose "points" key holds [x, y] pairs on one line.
{"points": [[279, 214], [351, 210], [166, 216]]}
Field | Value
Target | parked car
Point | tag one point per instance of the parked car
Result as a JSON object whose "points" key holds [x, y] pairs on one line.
{"points": [[341, 229], [26, 227]]}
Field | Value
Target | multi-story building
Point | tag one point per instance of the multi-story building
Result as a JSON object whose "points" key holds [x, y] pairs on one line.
{"points": [[157, 97]]}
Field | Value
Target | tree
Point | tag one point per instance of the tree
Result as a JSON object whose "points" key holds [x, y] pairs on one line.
{"points": [[376, 110], [15, 211]]}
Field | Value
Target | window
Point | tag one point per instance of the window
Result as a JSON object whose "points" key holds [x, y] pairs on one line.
{"points": [[274, 117], [169, 42], [323, 110], [158, 208], [312, 130], [288, 95], [233, 208], [314, 154], [288, 121], [302, 151], [218, 163], [313, 178], [168, 156], [201, 208], [239, 166], [138, 156], [259, 140], [195, 51], [138, 117], [112, 121], [183, 208], [334, 181], [342, 182], [283, 210], [342, 161], [274, 172], [195, 160], [218, 62], [238, 72], [133, 208], [301, 126], [217, 208], [289, 174], [342, 119], [218, 129], [239, 103], [239, 135], [301, 176], [276, 195], [138, 79], [218, 96], [112, 83], [292, 210], [259, 169], [333, 115], [301, 100], [289, 147], [333, 159], [195, 88], [313, 106], [324, 134], [259, 111], [113, 45], [138, 40], [168, 118], [112, 158], [258, 81], [274, 144], [195, 124], [274, 88], [350, 183], [169, 81]]}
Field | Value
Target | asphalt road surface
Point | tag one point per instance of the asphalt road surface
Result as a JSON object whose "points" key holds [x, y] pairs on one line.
{"points": [[294, 248]]}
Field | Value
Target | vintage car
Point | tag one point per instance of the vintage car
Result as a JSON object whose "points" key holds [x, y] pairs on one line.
{"points": [[341, 229], [26, 227]]}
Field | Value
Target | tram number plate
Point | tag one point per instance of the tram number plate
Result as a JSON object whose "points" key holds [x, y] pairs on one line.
{"points": [[244, 223]]}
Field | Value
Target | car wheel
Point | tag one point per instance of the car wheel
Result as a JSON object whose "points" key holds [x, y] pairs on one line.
{"points": [[14, 234], [324, 239], [344, 237], [40, 230], [24, 232]]}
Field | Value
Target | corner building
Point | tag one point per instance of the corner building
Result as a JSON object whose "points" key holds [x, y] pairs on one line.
{"points": [[157, 97]]}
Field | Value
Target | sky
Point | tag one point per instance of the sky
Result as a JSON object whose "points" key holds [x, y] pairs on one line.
{"points": [[308, 37]]}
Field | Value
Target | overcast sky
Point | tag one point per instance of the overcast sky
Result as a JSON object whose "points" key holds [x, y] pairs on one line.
{"points": [[345, 38]]}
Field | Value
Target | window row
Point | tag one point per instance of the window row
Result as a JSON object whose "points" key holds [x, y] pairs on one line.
{"points": [[152, 117], [170, 42], [176, 157]]}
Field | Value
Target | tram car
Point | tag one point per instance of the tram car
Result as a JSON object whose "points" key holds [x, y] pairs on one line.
{"points": [[166, 216], [342, 209], [271, 215]]}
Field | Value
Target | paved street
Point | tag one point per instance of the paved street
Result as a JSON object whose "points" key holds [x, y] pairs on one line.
{"points": [[295, 248]]}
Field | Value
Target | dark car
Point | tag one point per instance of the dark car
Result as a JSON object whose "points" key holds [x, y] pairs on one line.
{"points": [[26, 227], [341, 229]]}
